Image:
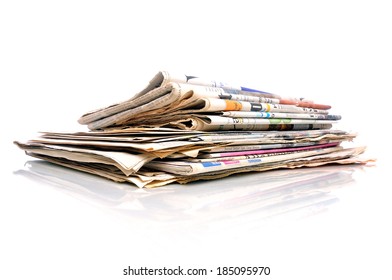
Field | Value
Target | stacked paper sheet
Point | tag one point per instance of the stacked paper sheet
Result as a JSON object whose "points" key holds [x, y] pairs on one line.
{"points": [[183, 128]]}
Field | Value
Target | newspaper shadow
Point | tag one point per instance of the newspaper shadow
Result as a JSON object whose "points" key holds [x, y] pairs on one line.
{"points": [[248, 199]]}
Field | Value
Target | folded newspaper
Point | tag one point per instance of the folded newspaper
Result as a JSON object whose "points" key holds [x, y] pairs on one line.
{"points": [[183, 128]]}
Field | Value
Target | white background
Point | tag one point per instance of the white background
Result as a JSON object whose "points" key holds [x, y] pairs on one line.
{"points": [[60, 59]]}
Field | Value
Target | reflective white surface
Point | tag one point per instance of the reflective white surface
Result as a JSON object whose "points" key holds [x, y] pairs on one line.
{"points": [[59, 60], [302, 221], [255, 198]]}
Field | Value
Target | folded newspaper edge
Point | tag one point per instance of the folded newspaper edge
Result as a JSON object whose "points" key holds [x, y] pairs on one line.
{"points": [[181, 94], [151, 179]]}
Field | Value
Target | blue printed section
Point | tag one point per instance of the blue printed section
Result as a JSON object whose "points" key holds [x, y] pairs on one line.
{"points": [[210, 164], [264, 115], [254, 160], [253, 90]]}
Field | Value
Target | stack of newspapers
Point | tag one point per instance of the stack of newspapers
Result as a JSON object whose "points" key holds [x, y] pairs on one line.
{"points": [[183, 128]]}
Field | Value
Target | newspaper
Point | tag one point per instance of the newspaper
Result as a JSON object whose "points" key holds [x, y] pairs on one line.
{"points": [[182, 128], [156, 142], [146, 158], [164, 77], [266, 115], [128, 163], [168, 95], [213, 123], [149, 179]]}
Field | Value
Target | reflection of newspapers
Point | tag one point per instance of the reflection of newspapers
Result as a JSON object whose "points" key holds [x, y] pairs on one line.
{"points": [[298, 193], [169, 100]]}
